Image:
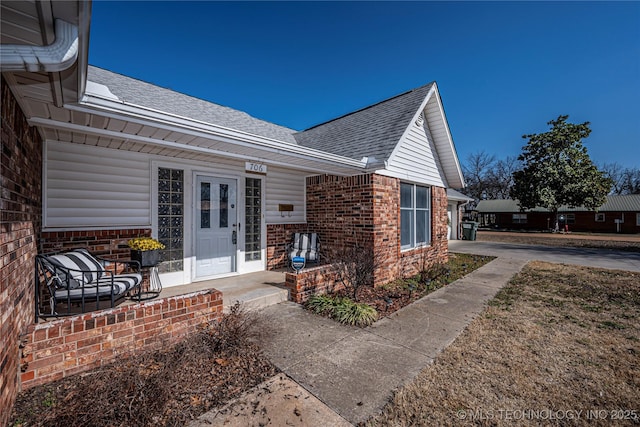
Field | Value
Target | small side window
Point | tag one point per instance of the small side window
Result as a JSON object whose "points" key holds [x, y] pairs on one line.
{"points": [[600, 217]]}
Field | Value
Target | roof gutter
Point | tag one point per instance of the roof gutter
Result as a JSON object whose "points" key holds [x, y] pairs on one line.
{"points": [[58, 56]]}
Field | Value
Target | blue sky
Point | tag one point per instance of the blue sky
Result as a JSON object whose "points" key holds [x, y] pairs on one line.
{"points": [[504, 69]]}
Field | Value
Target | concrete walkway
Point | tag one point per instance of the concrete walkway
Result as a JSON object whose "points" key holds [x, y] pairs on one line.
{"points": [[602, 258], [355, 371], [349, 374]]}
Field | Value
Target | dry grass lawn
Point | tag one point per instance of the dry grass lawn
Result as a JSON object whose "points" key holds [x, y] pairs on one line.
{"points": [[618, 242], [558, 342]]}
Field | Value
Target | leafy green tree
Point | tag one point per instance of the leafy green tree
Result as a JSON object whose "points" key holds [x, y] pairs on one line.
{"points": [[556, 170]]}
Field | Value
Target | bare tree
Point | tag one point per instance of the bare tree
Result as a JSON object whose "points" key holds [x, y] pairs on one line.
{"points": [[500, 178], [476, 172], [631, 181], [625, 180], [616, 173]]}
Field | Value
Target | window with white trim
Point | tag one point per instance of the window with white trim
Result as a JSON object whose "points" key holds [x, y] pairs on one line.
{"points": [[519, 218], [600, 217], [415, 215], [638, 219]]}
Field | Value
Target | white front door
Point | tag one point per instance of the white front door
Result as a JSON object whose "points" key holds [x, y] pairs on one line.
{"points": [[215, 226]]}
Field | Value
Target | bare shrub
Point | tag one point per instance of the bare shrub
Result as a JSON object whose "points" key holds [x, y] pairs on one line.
{"points": [[355, 267], [169, 386]]}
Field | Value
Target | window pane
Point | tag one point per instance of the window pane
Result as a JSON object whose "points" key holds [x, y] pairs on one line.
{"points": [[224, 208], [406, 228], [205, 205], [171, 218], [406, 195], [253, 229], [422, 197], [422, 226]]}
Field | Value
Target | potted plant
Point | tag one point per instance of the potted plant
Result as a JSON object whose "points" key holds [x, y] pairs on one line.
{"points": [[145, 251]]}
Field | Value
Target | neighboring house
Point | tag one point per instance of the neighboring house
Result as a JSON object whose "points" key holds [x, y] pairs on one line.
{"points": [[619, 214], [92, 158], [457, 202]]}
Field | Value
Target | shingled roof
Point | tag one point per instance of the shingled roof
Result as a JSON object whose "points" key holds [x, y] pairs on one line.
{"points": [[145, 94], [373, 131]]}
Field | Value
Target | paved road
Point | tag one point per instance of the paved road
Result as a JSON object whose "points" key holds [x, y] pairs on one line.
{"points": [[619, 260]]}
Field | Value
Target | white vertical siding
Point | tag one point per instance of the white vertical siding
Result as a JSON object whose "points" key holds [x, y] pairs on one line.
{"points": [[416, 159], [95, 187], [285, 186]]}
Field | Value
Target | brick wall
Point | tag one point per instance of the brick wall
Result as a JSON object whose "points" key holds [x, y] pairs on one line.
{"points": [[20, 224], [386, 237], [106, 243], [278, 236], [341, 210], [64, 347], [364, 210], [311, 281]]}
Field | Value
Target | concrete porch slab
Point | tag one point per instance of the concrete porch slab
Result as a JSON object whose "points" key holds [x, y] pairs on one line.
{"points": [[253, 290]]}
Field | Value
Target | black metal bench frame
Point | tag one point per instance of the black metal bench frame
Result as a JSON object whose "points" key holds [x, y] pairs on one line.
{"points": [[51, 277]]}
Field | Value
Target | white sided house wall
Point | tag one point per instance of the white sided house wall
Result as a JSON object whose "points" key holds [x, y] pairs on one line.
{"points": [[91, 188]]}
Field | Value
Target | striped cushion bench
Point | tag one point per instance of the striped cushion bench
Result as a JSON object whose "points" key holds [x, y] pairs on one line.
{"points": [[77, 277], [306, 245]]}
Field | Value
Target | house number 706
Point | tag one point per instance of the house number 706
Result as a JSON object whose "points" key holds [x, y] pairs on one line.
{"points": [[255, 167]]}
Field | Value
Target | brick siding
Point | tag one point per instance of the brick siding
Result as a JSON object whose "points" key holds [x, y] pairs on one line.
{"points": [[20, 224], [311, 281], [64, 347], [362, 210], [106, 243], [278, 235]]}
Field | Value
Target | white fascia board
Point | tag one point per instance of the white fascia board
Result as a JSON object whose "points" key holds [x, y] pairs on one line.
{"points": [[411, 123], [150, 117], [450, 146], [71, 127], [438, 146]]}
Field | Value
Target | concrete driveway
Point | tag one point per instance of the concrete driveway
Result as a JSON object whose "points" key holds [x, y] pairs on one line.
{"points": [[604, 258]]}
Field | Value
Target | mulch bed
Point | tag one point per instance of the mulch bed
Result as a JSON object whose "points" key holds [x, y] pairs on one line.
{"points": [[392, 297], [166, 387]]}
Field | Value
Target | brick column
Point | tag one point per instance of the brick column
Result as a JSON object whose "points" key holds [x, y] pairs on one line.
{"points": [[20, 224]]}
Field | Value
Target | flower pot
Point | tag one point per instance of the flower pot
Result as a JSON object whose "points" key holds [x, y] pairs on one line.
{"points": [[146, 258]]}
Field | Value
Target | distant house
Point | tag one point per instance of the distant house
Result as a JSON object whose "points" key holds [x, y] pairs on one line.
{"points": [[619, 214]]}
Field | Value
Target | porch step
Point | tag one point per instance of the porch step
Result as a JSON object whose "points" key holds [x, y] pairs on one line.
{"points": [[253, 290], [259, 296]]}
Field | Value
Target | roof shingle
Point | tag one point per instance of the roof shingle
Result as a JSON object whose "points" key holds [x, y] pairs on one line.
{"points": [[137, 92], [373, 131]]}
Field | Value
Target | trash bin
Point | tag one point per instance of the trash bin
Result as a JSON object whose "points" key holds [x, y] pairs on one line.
{"points": [[469, 230]]}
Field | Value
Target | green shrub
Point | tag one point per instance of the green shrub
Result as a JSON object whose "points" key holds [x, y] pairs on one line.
{"points": [[356, 314], [343, 310], [322, 304]]}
